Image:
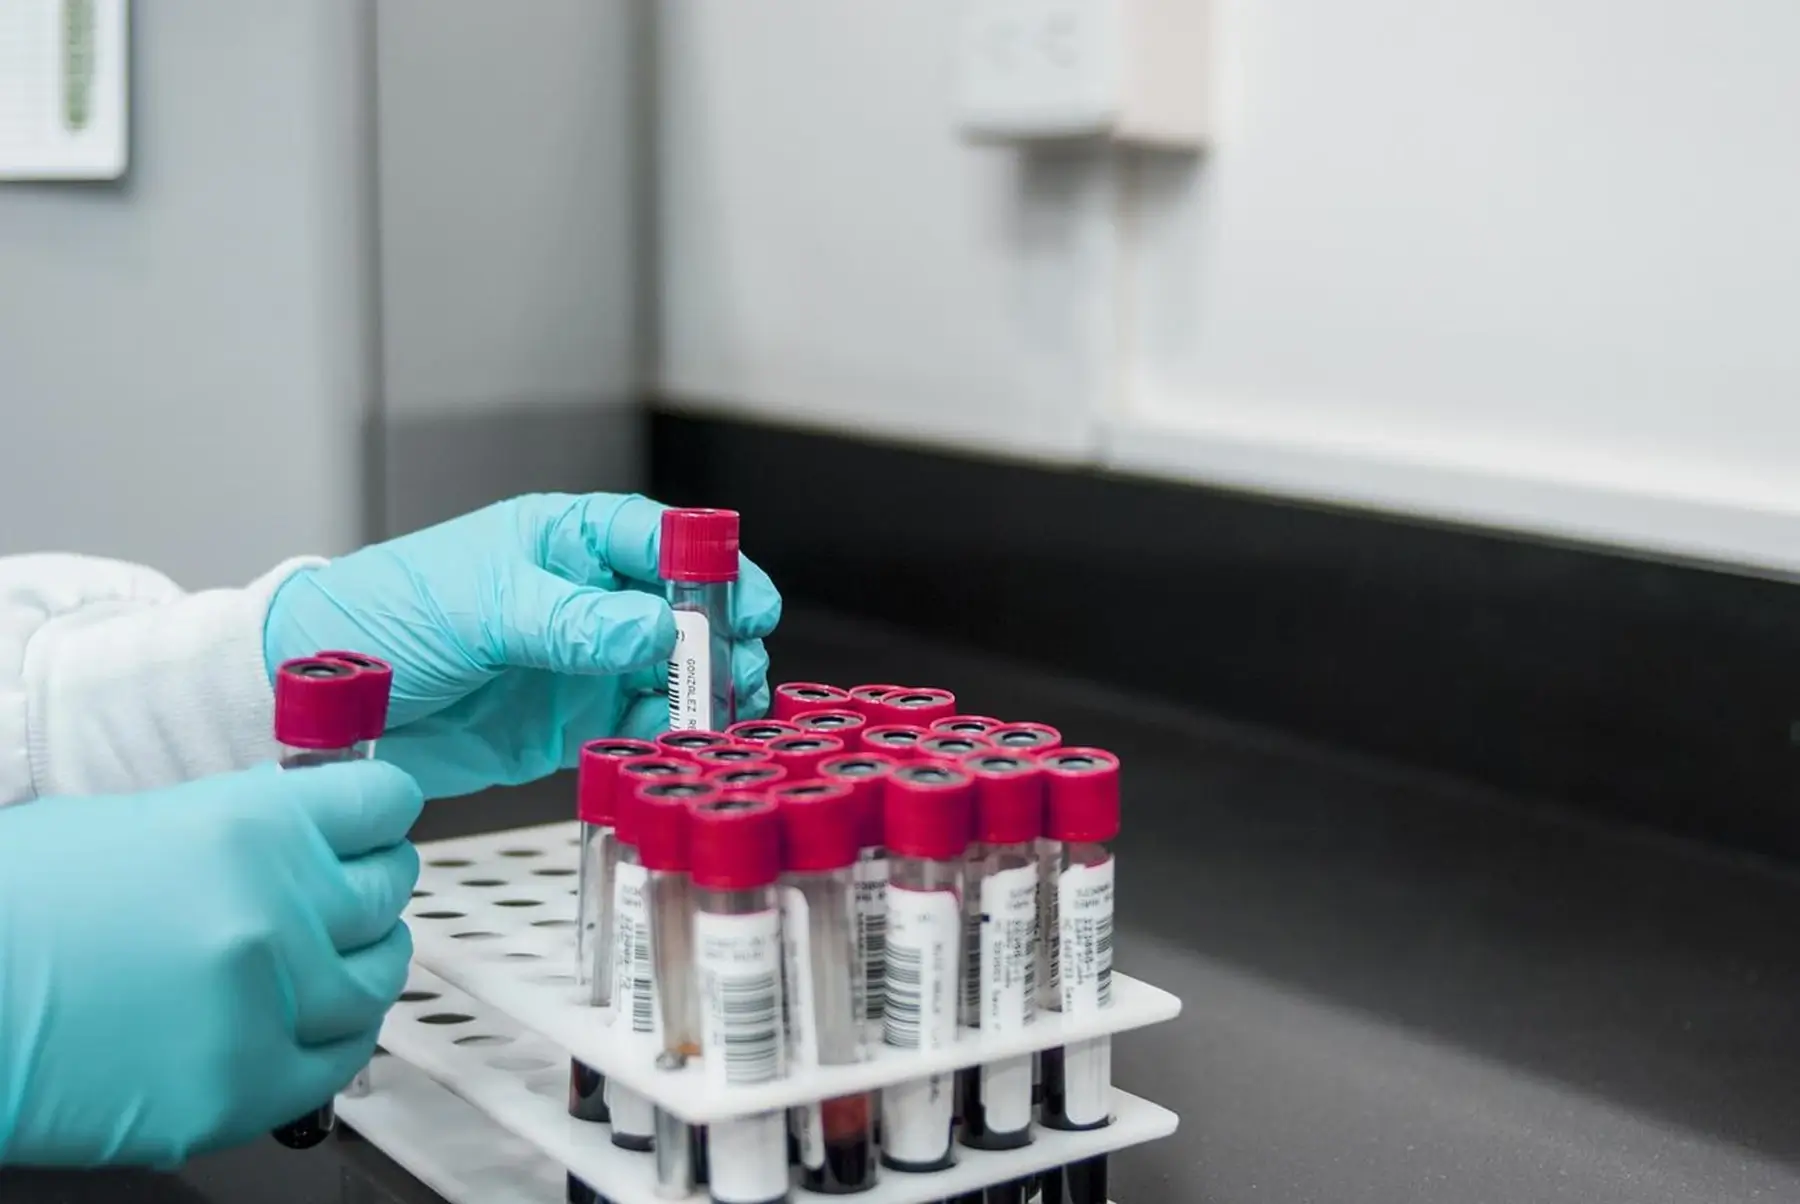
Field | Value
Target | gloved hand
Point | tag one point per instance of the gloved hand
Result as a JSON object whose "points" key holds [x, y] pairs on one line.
{"points": [[517, 633], [186, 969]]}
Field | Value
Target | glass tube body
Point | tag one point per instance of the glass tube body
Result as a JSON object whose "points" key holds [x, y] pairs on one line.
{"points": [[361, 1085], [701, 695], [671, 902], [633, 992], [737, 957], [826, 1013], [594, 940], [1002, 895], [308, 1130], [1078, 1077], [924, 967]]}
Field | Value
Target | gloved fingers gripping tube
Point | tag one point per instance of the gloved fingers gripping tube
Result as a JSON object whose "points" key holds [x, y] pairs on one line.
{"points": [[926, 824], [698, 561], [820, 820], [737, 944], [862, 773], [1001, 915], [321, 718], [793, 698], [1081, 819]]}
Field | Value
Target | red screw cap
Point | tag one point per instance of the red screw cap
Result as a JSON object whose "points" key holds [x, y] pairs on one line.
{"points": [[682, 745], [635, 772], [1009, 796], [726, 756], [862, 772], [927, 811], [819, 825], [844, 724], [868, 698], [760, 731], [318, 704], [377, 687], [746, 779], [735, 843], [793, 697], [699, 547], [597, 777], [966, 725], [898, 740], [920, 706], [800, 755], [1026, 737], [663, 810], [948, 746], [1082, 786]]}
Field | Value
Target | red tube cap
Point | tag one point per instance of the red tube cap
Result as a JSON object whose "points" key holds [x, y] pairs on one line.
{"points": [[927, 811], [684, 744], [377, 688], [1026, 737], [898, 740], [868, 698], [735, 843], [318, 704], [800, 755], [760, 731], [635, 772], [967, 725], [1082, 787], [845, 725], [730, 755], [920, 706], [819, 825], [1009, 796], [793, 697], [951, 746], [663, 811], [699, 547], [597, 778], [746, 779], [862, 772]]}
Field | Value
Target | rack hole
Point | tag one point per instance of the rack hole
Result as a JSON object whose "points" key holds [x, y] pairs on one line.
{"points": [[417, 996], [521, 902], [484, 1039], [484, 882], [521, 852], [554, 871], [445, 1018], [421, 894], [474, 936], [439, 915], [518, 955], [451, 863], [553, 923]]}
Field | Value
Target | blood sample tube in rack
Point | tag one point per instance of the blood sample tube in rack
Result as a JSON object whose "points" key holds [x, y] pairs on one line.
{"points": [[794, 697], [845, 724], [920, 706], [926, 824], [698, 559], [1081, 820], [737, 943], [760, 731], [320, 719], [863, 772], [820, 823]]}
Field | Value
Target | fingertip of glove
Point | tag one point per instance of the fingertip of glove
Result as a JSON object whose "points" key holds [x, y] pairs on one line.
{"points": [[378, 782], [633, 629]]}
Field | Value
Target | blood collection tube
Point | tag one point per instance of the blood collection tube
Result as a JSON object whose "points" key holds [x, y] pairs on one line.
{"points": [[320, 719], [898, 740], [868, 698], [1026, 737], [1081, 819], [731, 756], [950, 746], [845, 724], [698, 559], [1002, 908], [800, 755], [596, 789], [926, 824], [684, 744], [920, 706], [736, 857], [821, 828], [746, 779], [794, 697], [863, 772], [760, 731], [966, 725]]}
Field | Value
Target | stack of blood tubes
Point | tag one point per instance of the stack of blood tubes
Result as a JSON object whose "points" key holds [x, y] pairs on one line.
{"points": [[862, 773], [596, 792], [897, 740], [920, 706], [1081, 819], [737, 944], [698, 559], [323, 715], [797, 697], [821, 823], [926, 825], [846, 725]]}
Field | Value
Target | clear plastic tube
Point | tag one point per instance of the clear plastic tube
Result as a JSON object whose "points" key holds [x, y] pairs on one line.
{"points": [[633, 993], [701, 694], [594, 941], [863, 772]]}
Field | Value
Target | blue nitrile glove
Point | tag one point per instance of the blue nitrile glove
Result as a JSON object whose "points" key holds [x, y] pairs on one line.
{"points": [[517, 633], [185, 969]]}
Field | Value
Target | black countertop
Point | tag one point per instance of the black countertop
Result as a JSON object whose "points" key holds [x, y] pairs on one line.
{"points": [[1397, 988]]}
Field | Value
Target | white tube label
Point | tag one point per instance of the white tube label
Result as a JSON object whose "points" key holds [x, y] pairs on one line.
{"points": [[924, 930], [739, 963], [690, 674], [871, 934], [1008, 990], [802, 1018], [1049, 939], [747, 1159], [634, 982], [1085, 916]]}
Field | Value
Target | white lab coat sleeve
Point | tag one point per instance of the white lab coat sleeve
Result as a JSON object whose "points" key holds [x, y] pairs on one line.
{"points": [[113, 679]]}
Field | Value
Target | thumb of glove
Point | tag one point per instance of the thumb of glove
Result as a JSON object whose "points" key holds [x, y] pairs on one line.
{"points": [[553, 624]]}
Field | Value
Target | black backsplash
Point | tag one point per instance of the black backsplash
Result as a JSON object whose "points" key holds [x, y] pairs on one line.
{"points": [[1656, 693]]}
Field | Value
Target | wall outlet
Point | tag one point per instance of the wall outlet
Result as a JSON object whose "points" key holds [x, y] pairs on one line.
{"points": [[1124, 70]]}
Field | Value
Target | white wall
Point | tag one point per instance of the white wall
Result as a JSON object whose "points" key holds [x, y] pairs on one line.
{"points": [[1530, 264]]}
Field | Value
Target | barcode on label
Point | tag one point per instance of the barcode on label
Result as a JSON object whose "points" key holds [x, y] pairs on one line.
{"points": [[1085, 897], [1103, 958], [690, 685], [749, 1022], [971, 965], [643, 994], [634, 988], [871, 934], [900, 1019], [739, 959]]}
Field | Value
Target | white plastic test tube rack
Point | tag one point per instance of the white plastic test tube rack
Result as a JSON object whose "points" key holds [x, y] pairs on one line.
{"points": [[494, 1012]]}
